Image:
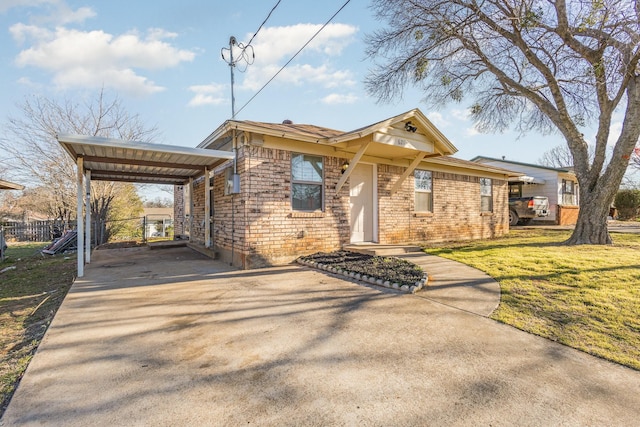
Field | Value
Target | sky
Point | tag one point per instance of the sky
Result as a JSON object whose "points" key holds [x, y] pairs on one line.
{"points": [[163, 60]]}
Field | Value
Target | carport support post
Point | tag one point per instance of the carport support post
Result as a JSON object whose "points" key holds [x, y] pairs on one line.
{"points": [[207, 209], [79, 222], [87, 214]]}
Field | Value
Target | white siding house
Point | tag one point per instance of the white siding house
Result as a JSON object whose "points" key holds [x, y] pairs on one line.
{"points": [[559, 185]]}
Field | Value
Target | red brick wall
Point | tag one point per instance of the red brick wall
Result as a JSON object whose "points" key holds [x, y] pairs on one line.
{"points": [[178, 210], [268, 232], [456, 209], [276, 234], [568, 215]]}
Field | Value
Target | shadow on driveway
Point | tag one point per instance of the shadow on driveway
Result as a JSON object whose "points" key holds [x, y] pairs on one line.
{"points": [[173, 338]]}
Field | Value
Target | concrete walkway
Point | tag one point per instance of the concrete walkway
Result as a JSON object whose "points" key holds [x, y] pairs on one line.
{"points": [[169, 337]]}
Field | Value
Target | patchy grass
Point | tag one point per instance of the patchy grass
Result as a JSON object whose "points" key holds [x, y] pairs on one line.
{"points": [[30, 295], [586, 297]]}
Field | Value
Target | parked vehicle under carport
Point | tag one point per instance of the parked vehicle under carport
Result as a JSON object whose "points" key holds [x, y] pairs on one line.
{"points": [[524, 209]]}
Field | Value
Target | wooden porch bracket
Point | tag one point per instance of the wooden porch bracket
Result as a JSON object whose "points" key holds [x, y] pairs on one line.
{"points": [[352, 164], [408, 171]]}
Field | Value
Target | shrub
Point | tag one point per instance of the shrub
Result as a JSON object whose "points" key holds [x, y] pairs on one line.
{"points": [[627, 202]]}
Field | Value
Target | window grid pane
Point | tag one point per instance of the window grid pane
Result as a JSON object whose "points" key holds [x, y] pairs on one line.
{"points": [[423, 190], [422, 180], [306, 168], [307, 182], [486, 195]]}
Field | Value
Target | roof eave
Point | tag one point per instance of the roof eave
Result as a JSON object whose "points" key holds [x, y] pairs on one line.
{"points": [[231, 125], [6, 185], [474, 166]]}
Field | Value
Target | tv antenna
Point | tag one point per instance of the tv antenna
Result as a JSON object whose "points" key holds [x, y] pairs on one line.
{"points": [[245, 56]]}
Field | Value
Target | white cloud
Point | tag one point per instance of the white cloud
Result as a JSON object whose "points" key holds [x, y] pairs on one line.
{"points": [[472, 131], [460, 114], [336, 98], [614, 133], [9, 4], [51, 11], [26, 81], [96, 58], [438, 119], [207, 95], [275, 45]]}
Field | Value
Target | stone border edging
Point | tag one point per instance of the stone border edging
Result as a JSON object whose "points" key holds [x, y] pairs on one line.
{"points": [[367, 279]]}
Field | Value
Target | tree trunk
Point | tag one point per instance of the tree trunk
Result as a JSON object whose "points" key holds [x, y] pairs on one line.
{"points": [[591, 227]]}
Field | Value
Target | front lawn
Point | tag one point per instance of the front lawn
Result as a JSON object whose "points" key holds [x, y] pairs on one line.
{"points": [[586, 297], [30, 295]]}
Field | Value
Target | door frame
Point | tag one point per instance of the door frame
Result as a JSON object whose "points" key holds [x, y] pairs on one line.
{"points": [[374, 203]]}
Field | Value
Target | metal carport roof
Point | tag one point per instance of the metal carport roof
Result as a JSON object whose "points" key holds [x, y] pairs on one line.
{"points": [[132, 161], [107, 159]]}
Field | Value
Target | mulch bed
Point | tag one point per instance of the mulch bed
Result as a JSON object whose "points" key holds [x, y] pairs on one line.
{"points": [[384, 271]]}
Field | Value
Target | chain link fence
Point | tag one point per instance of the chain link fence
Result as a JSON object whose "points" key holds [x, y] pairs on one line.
{"points": [[150, 227]]}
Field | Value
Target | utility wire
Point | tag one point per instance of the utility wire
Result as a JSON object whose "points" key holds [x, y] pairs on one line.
{"points": [[243, 56], [293, 57], [263, 22]]}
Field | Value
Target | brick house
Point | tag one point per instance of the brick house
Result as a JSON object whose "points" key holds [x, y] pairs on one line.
{"points": [[298, 189]]}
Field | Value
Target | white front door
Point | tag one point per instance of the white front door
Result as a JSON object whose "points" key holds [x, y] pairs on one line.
{"points": [[362, 192]]}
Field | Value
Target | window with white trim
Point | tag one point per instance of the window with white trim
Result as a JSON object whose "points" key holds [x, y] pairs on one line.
{"points": [[307, 182], [423, 190], [486, 195], [569, 192]]}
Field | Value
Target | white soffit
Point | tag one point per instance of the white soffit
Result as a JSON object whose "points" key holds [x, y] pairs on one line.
{"points": [[527, 179]]}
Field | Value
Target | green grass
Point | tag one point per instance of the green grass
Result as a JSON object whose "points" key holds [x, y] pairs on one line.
{"points": [[30, 295], [586, 297]]}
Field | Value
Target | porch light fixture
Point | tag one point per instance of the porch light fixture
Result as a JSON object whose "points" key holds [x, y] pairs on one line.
{"points": [[345, 166], [410, 127]]}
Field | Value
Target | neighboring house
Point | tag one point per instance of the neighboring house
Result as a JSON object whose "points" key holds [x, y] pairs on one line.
{"points": [[158, 221], [559, 185], [298, 189]]}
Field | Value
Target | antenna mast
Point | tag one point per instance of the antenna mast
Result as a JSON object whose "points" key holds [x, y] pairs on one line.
{"points": [[232, 64]]}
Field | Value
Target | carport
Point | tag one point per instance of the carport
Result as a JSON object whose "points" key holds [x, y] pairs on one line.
{"points": [[105, 159]]}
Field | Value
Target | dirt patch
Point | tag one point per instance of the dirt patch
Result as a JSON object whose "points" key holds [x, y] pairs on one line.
{"points": [[121, 245]]}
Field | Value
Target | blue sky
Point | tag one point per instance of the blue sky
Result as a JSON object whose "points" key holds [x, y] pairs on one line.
{"points": [[163, 60]]}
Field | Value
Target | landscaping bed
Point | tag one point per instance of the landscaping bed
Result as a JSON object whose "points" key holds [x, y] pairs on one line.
{"points": [[389, 272]]}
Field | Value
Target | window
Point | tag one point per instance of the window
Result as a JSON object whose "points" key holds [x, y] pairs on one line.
{"points": [[569, 192], [306, 182], [515, 189], [423, 191], [486, 195]]}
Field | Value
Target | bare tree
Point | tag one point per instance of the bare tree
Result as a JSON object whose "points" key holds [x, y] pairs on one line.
{"points": [[557, 157], [533, 64], [31, 147]]}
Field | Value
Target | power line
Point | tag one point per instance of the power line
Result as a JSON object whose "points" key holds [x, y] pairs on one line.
{"points": [[293, 57], [263, 22], [243, 56]]}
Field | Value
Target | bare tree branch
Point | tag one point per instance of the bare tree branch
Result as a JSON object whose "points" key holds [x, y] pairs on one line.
{"points": [[549, 65]]}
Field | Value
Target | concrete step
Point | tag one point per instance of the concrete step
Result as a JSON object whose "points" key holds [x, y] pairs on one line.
{"points": [[382, 250], [204, 251], [166, 244]]}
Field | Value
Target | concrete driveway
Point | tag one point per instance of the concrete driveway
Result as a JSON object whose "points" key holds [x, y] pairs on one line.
{"points": [[169, 337]]}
